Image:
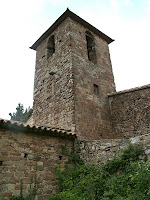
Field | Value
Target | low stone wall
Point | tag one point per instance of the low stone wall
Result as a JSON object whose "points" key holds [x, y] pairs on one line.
{"points": [[105, 149], [22, 155], [130, 112]]}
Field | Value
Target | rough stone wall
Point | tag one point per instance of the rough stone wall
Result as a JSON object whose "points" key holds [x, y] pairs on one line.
{"points": [[53, 85], [130, 112], [92, 117], [64, 95], [23, 154], [63, 87], [106, 149]]}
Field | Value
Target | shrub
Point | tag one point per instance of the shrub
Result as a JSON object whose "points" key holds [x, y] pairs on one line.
{"points": [[124, 178]]}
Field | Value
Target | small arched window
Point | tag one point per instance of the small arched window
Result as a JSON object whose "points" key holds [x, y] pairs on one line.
{"points": [[50, 46], [91, 47]]}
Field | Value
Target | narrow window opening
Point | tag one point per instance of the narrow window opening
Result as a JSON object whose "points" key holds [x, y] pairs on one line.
{"points": [[60, 157], [50, 47], [1, 162], [91, 47], [95, 89], [25, 155]]}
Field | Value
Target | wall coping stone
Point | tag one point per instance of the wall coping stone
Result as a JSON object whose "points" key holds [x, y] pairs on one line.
{"points": [[129, 90]]}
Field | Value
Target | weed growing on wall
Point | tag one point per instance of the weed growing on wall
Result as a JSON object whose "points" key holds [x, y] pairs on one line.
{"points": [[32, 192], [126, 177], [73, 158]]}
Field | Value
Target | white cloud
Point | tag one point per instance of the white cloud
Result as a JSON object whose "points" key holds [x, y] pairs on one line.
{"points": [[55, 2], [115, 4], [131, 66], [59, 2], [148, 6], [128, 2]]}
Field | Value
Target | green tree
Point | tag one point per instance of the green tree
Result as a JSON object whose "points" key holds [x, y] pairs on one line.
{"points": [[21, 114]]}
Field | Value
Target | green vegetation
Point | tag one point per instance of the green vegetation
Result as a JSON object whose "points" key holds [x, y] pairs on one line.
{"points": [[123, 178], [32, 192], [21, 114], [126, 177]]}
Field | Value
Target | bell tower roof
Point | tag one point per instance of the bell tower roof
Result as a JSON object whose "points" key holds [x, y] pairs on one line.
{"points": [[76, 18]]}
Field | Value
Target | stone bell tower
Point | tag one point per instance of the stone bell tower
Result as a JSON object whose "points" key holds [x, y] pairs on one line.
{"points": [[73, 75]]}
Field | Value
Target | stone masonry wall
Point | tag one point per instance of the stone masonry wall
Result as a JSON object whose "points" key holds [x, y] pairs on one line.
{"points": [[23, 154], [64, 84], [130, 112], [106, 149], [53, 86], [92, 117]]}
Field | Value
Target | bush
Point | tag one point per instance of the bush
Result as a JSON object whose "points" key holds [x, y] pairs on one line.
{"points": [[123, 178]]}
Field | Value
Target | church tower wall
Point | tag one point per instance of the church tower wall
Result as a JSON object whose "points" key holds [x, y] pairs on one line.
{"points": [[72, 78], [53, 86], [93, 79]]}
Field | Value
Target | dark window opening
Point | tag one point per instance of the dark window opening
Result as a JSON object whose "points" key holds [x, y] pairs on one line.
{"points": [[50, 47], [95, 88], [60, 157], [91, 47], [25, 155], [1, 162]]}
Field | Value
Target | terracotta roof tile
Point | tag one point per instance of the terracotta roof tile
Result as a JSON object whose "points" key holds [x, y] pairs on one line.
{"points": [[20, 126]]}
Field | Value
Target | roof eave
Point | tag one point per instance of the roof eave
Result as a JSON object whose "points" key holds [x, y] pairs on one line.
{"points": [[75, 17], [23, 127], [50, 30]]}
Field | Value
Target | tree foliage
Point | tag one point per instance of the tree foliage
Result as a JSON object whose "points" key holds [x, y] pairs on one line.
{"points": [[123, 178], [21, 114]]}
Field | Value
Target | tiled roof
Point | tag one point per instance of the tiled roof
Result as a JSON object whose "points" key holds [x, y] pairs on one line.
{"points": [[20, 126], [76, 18]]}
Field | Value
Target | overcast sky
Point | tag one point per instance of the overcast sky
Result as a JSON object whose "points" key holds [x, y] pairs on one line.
{"points": [[22, 22]]}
